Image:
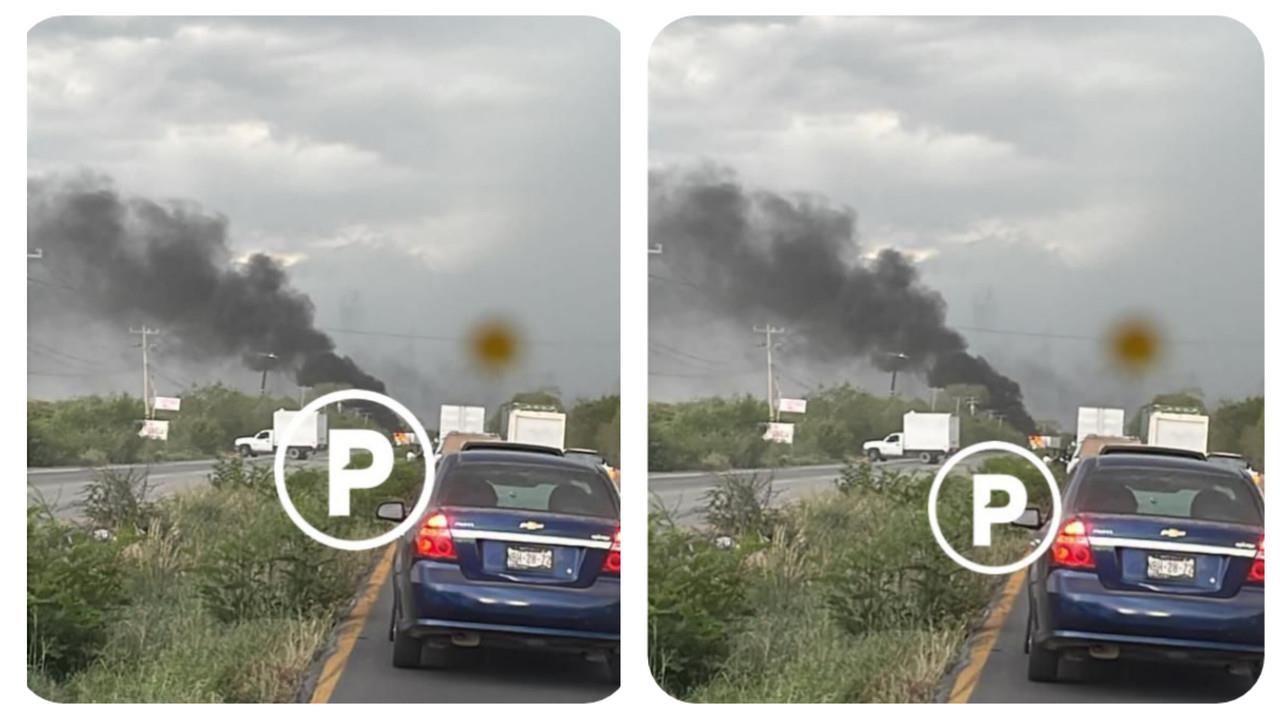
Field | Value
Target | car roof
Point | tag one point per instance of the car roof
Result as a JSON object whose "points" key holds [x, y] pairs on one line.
{"points": [[514, 455], [1137, 460]]}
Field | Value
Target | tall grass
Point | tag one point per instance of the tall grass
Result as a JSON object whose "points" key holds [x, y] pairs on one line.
{"points": [[217, 598], [844, 598]]}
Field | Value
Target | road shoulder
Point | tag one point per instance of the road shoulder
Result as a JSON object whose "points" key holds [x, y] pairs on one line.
{"points": [[958, 684]]}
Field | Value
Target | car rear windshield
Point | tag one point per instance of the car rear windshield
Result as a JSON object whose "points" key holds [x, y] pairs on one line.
{"points": [[536, 488], [1178, 494]]}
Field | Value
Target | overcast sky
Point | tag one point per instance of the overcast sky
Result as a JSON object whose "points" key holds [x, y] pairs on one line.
{"points": [[1049, 175], [415, 175]]}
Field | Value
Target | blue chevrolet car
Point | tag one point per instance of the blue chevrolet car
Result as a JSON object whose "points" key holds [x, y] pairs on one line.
{"points": [[1159, 556], [519, 547]]}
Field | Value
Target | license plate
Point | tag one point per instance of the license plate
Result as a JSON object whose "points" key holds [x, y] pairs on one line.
{"points": [[528, 558], [1171, 567]]}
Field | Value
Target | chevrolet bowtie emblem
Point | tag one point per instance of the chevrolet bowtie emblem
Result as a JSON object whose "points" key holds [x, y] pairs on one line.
{"points": [[531, 525], [1172, 532]]}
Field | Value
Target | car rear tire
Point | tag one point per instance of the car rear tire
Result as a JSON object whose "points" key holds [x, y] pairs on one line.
{"points": [[1042, 664], [406, 651]]}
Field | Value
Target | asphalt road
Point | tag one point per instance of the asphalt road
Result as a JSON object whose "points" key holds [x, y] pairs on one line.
{"points": [[683, 494], [1003, 678], [477, 675], [63, 487]]}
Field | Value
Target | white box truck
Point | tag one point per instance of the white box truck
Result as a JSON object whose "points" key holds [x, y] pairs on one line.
{"points": [[929, 436], [1102, 421], [312, 436], [1179, 430], [461, 418], [528, 426]]}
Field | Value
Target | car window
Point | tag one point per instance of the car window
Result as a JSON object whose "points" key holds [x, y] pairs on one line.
{"points": [[538, 488], [1178, 494]]}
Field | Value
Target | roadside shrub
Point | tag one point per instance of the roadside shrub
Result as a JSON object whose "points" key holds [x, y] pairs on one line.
{"points": [[233, 472], [696, 596], [118, 499], [73, 584], [741, 507], [887, 571]]}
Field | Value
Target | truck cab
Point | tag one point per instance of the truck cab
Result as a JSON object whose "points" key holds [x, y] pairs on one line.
{"points": [[890, 446], [260, 443]]}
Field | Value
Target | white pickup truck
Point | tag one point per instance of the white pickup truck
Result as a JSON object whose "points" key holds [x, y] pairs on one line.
{"points": [[930, 436], [311, 437]]}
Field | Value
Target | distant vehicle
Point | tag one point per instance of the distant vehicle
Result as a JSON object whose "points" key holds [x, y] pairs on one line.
{"points": [[453, 441], [592, 458], [312, 436], [1157, 557], [519, 547], [1101, 421], [929, 436], [466, 419], [528, 426], [1178, 429], [1092, 445], [1238, 461]]}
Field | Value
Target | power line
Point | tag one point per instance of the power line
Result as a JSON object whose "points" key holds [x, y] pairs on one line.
{"points": [[95, 373], [54, 353], [654, 345], [443, 338], [1098, 338]]}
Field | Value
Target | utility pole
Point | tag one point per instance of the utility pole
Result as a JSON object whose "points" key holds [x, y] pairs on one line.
{"points": [[302, 396], [147, 402], [769, 331]]}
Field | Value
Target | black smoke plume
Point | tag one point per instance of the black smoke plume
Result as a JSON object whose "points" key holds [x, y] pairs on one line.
{"points": [[133, 260], [760, 256]]}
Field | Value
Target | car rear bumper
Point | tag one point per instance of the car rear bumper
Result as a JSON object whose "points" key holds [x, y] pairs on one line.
{"points": [[440, 597], [511, 636], [1076, 610]]}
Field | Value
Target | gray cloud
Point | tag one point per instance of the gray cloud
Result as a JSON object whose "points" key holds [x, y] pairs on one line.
{"points": [[413, 175], [1046, 174]]}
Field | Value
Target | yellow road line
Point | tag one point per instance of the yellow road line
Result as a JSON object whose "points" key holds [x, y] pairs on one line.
{"points": [[967, 679], [350, 629]]}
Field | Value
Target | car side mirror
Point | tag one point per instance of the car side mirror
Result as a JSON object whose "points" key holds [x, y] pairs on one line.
{"points": [[1031, 518], [391, 511]]}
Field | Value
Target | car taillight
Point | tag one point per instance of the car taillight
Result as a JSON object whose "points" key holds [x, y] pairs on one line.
{"points": [[434, 540], [613, 560], [1071, 547], [1257, 570]]}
